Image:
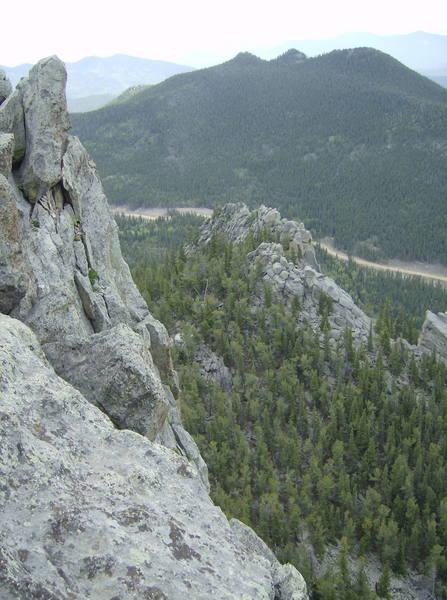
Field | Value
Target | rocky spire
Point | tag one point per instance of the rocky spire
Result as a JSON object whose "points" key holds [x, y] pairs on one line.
{"points": [[46, 127]]}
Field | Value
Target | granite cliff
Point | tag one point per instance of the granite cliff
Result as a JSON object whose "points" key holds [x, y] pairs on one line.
{"points": [[103, 493]]}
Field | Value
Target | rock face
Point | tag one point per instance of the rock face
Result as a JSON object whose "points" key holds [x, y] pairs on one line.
{"points": [[12, 119], [109, 504], [433, 336], [213, 367], [61, 269], [62, 273], [289, 583], [13, 268], [6, 149], [89, 511], [288, 279], [5, 86]]}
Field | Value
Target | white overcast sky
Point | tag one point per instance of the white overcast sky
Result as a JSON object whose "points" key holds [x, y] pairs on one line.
{"points": [[175, 30]]}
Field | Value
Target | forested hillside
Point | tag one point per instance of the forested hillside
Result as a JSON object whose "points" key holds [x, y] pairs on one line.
{"points": [[313, 444], [353, 142]]}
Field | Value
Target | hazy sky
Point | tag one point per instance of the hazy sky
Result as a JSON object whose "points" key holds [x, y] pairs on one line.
{"points": [[178, 30]]}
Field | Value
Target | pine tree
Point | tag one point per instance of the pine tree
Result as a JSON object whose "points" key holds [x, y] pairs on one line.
{"points": [[384, 583]]}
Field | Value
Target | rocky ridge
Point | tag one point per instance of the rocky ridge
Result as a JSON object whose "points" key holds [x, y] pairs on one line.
{"points": [[302, 278], [94, 501], [288, 279]]}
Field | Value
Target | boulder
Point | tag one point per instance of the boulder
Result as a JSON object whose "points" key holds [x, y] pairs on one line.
{"points": [[114, 371], [290, 583]]}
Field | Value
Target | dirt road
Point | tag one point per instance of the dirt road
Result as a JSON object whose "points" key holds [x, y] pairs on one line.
{"points": [[428, 271], [153, 213]]}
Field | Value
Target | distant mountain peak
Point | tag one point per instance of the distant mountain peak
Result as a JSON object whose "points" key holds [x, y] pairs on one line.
{"points": [[246, 59], [290, 57]]}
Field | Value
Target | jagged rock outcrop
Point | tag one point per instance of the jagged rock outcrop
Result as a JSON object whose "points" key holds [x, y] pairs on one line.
{"points": [[88, 511], [213, 367], [237, 222], [288, 279], [433, 335], [92, 504], [36, 113]]}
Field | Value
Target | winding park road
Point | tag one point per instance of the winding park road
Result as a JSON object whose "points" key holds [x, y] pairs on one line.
{"points": [[435, 272], [426, 270], [152, 213]]}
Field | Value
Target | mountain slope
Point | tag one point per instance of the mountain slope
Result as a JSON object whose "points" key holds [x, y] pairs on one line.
{"points": [[314, 438], [352, 141]]}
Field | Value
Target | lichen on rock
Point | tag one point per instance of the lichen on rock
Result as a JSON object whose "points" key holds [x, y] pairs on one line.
{"points": [[92, 511]]}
